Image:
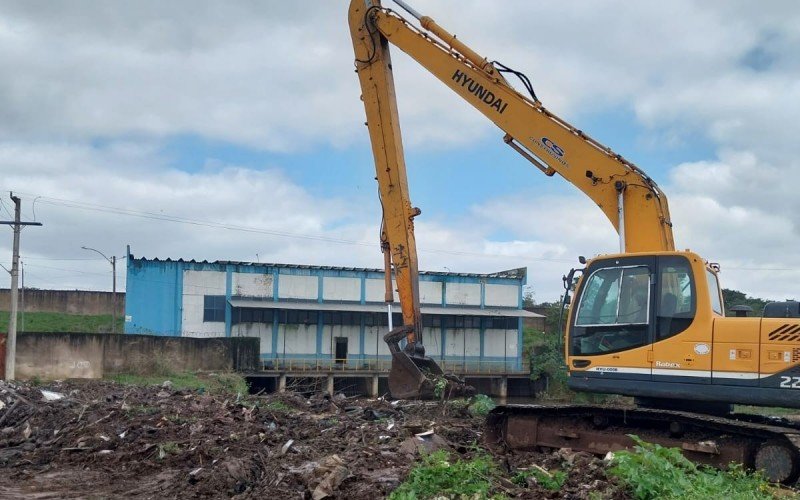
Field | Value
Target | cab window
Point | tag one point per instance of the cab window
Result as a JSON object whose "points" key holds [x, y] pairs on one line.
{"points": [[713, 289], [613, 311], [676, 297], [616, 296]]}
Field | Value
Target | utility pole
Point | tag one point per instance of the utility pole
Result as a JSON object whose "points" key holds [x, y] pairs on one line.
{"points": [[114, 293], [22, 298], [113, 261], [11, 340]]}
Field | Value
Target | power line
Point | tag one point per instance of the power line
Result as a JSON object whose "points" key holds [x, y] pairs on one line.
{"points": [[68, 270], [249, 229], [62, 258]]}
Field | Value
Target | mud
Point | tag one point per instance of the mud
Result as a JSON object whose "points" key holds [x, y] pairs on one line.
{"points": [[106, 440]]}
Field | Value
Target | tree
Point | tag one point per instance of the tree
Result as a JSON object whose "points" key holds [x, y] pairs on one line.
{"points": [[736, 298]]}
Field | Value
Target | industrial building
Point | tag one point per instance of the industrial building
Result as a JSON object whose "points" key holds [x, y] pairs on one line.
{"points": [[307, 314]]}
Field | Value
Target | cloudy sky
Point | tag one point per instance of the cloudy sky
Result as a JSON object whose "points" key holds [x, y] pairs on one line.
{"points": [[234, 130]]}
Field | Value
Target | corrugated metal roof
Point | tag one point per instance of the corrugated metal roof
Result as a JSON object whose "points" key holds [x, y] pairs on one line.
{"points": [[379, 308], [517, 273]]}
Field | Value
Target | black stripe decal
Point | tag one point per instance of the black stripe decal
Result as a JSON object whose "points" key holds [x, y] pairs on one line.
{"points": [[778, 330]]}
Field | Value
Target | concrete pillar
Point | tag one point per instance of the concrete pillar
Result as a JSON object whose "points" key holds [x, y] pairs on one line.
{"points": [[329, 385], [503, 392], [282, 383], [373, 389]]}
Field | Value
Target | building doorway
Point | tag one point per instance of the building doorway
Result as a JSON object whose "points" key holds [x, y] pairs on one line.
{"points": [[341, 350]]}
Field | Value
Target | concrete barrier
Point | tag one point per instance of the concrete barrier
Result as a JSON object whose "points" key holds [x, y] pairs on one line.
{"points": [[51, 356], [65, 301]]}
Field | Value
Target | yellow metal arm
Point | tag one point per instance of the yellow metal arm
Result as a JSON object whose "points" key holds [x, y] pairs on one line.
{"points": [[631, 200], [377, 87]]}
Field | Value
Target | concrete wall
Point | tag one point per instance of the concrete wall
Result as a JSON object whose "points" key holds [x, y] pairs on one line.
{"points": [[252, 285], [298, 287], [196, 285], [502, 295], [463, 294], [66, 301], [86, 355], [341, 289]]}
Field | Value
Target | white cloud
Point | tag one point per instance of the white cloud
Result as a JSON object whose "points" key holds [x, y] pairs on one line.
{"points": [[277, 76]]}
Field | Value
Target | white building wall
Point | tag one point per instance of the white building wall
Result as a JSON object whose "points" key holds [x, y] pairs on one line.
{"points": [[196, 285], [432, 340], [463, 342], [291, 286], [337, 288], [463, 294], [502, 295], [430, 292], [252, 285], [499, 343], [373, 341], [300, 339], [351, 332], [261, 330], [374, 290]]}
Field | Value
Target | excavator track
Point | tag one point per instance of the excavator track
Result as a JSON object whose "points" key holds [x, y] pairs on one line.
{"points": [[712, 440]]}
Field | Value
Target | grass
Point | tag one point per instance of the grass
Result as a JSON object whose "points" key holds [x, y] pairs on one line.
{"points": [[439, 476], [651, 471], [218, 383], [766, 411], [168, 448], [279, 406], [61, 322], [552, 481]]}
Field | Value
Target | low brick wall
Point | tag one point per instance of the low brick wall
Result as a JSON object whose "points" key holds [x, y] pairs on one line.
{"points": [[91, 355], [65, 301]]}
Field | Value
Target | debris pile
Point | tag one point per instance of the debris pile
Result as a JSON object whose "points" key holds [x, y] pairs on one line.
{"points": [[101, 439]]}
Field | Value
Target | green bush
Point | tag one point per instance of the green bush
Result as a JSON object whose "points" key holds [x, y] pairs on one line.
{"points": [[548, 359], [438, 476], [651, 471], [552, 481], [481, 405]]}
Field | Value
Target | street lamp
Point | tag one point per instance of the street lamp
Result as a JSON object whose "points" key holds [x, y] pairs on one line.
{"points": [[113, 262]]}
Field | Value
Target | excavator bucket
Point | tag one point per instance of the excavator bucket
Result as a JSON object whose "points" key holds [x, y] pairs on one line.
{"points": [[414, 375]]}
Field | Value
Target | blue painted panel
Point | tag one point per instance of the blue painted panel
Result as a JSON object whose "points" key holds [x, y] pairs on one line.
{"points": [[275, 284], [228, 311], [153, 297], [362, 334], [519, 343], [179, 299], [275, 318]]}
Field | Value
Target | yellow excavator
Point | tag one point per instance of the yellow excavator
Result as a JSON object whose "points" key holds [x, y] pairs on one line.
{"points": [[647, 322]]}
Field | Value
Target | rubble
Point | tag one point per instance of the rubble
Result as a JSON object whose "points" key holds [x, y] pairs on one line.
{"points": [[101, 439]]}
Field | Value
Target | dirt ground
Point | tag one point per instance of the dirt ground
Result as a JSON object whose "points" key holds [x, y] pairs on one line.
{"points": [[103, 440]]}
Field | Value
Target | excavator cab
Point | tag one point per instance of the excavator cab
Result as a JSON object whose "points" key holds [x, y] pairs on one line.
{"points": [[644, 318]]}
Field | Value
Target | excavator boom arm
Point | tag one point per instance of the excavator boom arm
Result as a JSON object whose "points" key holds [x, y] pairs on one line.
{"points": [[630, 199]]}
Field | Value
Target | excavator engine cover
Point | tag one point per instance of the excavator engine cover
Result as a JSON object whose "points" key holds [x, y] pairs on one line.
{"points": [[414, 375]]}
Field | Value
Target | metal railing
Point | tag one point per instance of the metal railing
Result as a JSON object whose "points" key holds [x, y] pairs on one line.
{"points": [[458, 366]]}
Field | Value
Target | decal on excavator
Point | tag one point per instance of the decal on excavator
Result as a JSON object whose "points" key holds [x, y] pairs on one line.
{"points": [[480, 92], [552, 149]]}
